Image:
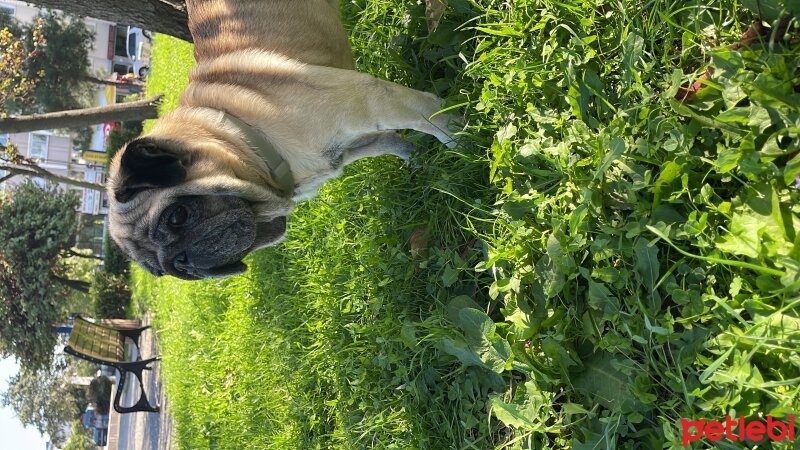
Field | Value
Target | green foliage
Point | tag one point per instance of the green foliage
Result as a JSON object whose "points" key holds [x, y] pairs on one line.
{"points": [[100, 394], [595, 261], [16, 82], [640, 242], [38, 225], [83, 269], [58, 67], [80, 439], [44, 399], [64, 61], [772, 10], [114, 261], [110, 295]]}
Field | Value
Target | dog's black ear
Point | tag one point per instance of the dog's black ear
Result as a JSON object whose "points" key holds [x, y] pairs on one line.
{"points": [[145, 165]]}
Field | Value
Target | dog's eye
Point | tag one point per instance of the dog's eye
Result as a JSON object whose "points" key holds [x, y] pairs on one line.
{"points": [[178, 217]]}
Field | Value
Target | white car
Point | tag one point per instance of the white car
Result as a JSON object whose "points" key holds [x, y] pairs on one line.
{"points": [[134, 46]]}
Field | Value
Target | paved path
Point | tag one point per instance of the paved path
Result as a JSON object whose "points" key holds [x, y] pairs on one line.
{"points": [[143, 430]]}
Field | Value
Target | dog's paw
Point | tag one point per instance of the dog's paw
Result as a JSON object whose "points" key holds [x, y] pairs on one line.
{"points": [[448, 125]]}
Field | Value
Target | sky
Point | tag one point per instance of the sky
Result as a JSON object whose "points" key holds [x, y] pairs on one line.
{"points": [[14, 435]]}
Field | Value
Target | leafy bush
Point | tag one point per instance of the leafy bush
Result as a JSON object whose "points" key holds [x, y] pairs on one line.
{"points": [[110, 295], [38, 224], [100, 394], [36, 227], [80, 438], [115, 262], [644, 250]]}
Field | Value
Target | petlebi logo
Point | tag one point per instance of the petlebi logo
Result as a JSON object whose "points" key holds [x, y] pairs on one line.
{"points": [[738, 430]]}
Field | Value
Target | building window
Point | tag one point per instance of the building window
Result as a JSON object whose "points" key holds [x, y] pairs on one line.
{"points": [[121, 41], [38, 147], [10, 10]]}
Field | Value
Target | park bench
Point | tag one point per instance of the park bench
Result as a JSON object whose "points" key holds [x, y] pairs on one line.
{"points": [[105, 344]]}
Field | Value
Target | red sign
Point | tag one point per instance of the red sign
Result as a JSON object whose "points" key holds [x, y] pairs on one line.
{"points": [[108, 126]]}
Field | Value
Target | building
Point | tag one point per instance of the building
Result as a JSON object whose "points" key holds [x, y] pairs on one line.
{"points": [[55, 150]]}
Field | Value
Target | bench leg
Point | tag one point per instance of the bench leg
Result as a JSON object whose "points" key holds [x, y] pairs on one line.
{"points": [[142, 404], [133, 334]]}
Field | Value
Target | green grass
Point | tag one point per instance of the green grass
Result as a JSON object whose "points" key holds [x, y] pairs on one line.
{"points": [[593, 262]]}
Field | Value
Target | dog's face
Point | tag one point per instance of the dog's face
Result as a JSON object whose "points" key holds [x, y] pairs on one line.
{"points": [[187, 212]]}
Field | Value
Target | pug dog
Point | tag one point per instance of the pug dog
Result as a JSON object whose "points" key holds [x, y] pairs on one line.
{"points": [[273, 109]]}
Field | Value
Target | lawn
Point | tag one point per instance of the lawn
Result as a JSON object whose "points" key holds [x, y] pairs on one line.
{"points": [[596, 260]]}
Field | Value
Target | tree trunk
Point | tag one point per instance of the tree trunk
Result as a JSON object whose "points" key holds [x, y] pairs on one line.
{"points": [[122, 112], [78, 285], [36, 171], [162, 16]]}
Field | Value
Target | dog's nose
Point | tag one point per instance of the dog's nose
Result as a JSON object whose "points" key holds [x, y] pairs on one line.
{"points": [[181, 263]]}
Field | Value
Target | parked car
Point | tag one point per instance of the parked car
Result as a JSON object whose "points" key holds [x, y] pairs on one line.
{"points": [[134, 46]]}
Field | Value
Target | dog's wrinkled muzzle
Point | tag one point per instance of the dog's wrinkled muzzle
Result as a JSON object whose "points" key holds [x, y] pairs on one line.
{"points": [[214, 248]]}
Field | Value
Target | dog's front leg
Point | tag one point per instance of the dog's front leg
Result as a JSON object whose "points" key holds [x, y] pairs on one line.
{"points": [[396, 107], [367, 105], [376, 144]]}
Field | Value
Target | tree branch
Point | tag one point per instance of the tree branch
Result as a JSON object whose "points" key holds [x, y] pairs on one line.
{"points": [[36, 171], [72, 252], [78, 285], [122, 112]]}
